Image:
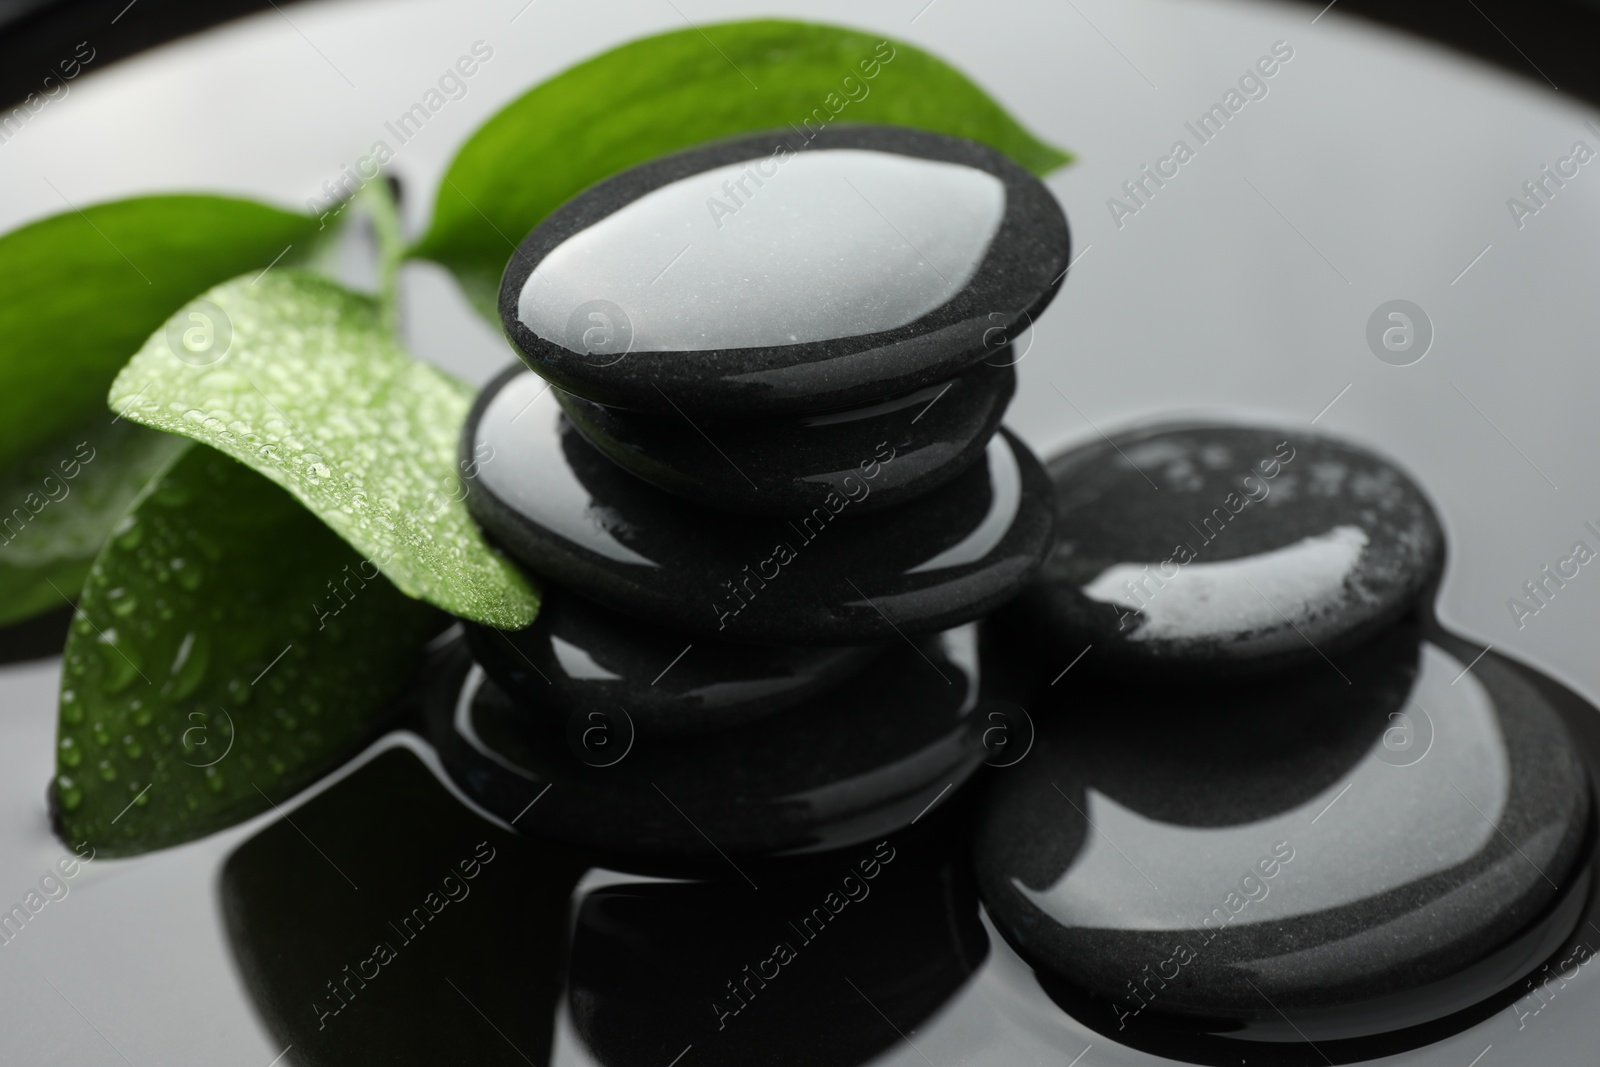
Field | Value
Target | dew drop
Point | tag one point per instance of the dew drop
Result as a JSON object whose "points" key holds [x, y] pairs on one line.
{"points": [[120, 668], [121, 602], [189, 664], [188, 574]]}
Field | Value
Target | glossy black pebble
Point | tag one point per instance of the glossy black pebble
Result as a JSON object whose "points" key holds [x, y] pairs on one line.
{"points": [[787, 465], [1355, 859], [579, 657], [746, 977], [1217, 549], [560, 507], [849, 766], [748, 278]]}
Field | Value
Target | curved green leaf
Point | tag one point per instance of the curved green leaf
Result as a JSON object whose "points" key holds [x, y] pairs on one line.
{"points": [[83, 289], [222, 624], [314, 393], [59, 501], [660, 94]]}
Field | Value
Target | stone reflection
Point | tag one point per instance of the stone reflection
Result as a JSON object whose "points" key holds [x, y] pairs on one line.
{"points": [[1242, 751], [828, 970], [845, 768], [1327, 854], [384, 922]]}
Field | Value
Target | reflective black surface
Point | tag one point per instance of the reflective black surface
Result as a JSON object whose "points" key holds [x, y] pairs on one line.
{"points": [[579, 658], [826, 971], [1208, 550], [1292, 858], [625, 969], [384, 922], [848, 357], [562, 508], [788, 465], [854, 764]]}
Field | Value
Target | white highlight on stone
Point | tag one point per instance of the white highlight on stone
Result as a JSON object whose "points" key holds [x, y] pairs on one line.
{"points": [[1005, 486], [514, 426], [819, 245], [1216, 600], [578, 663]]}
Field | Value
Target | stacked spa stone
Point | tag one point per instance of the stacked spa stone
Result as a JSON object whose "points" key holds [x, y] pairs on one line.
{"points": [[1270, 799], [757, 465]]}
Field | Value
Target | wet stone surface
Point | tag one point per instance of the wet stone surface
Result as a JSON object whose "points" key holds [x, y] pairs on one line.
{"points": [[560, 507], [745, 278], [1205, 550], [789, 465], [1358, 858], [579, 658]]}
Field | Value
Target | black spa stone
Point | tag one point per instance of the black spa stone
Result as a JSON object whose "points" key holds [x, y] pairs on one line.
{"points": [[1293, 857], [848, 766], [788, 464], [560, 507], [579, 658], [1204, 550], [746, 977], [770, 274]]}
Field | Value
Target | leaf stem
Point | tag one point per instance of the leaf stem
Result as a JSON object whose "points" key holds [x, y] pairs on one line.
{"points": [[391, 248]]}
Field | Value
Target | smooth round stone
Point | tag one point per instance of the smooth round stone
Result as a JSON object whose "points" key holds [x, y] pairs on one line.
{"points": [[744, 976], [560, 507], [787, 465], [579, 657], [848, 766], [1218, 549], [768, 274], [1292, 858]]}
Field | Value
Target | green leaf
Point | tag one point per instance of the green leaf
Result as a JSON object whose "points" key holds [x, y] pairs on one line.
{"points": [[222, 624], [660, 94], [61, 500], [312, 392], [83, 289]]}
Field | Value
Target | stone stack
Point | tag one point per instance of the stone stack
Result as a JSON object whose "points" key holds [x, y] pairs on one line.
{"points": [[757, 466]]}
